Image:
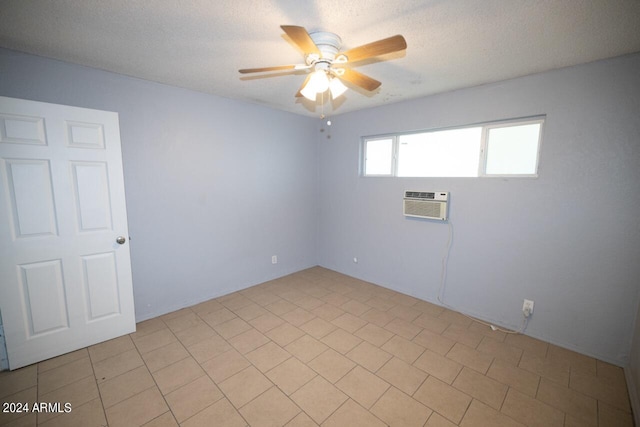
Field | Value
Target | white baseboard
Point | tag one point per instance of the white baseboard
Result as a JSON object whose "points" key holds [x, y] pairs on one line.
{"points": [[632, 387]]}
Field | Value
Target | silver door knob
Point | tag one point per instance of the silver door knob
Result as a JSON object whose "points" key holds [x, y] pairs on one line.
{"points": [[120, 240]]}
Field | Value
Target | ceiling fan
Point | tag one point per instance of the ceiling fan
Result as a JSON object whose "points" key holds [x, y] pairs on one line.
{"points": [[327, 65]]}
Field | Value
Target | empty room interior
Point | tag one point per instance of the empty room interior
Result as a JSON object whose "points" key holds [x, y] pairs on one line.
{"points": [[320, 213]]}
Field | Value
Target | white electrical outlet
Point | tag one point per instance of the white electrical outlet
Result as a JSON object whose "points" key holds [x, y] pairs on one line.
{"points": [[527, 308], [274, 259]]}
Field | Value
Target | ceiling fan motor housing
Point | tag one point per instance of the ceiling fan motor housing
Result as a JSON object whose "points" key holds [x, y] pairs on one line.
{"points": [[328, 43]]}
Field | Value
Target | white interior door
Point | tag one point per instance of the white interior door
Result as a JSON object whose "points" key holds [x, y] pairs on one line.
{"points": [[65, 280]]}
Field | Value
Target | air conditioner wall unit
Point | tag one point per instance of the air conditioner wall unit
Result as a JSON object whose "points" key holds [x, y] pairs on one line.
{"points": [[426, 204]]}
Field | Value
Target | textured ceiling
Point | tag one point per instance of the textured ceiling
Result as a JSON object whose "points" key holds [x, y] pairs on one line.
{"points": [[200, 44]]}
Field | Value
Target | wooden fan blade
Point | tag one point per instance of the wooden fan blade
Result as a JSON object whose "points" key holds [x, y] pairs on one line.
{"points": [[260, 70], [306, 80], [381, 47], [359, 79], [301, 38]]}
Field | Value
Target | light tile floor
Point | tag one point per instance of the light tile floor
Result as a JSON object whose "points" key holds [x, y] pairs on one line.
{"points": [[320, 348]]}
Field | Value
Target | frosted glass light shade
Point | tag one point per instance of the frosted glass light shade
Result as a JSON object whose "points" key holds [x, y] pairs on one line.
{"points": [[336, 87], [308, 92], [318, 83]]}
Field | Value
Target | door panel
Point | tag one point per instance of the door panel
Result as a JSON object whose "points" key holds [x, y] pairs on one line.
{"points": [[100, 279], [43, 297], [22, 129], [66, 283], [29, 186], [85, 135], [91, 191]]}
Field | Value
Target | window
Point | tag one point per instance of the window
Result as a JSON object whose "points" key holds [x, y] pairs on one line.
{"points": [[441, 153], [377, 160], [494, 149], [512, 150]]}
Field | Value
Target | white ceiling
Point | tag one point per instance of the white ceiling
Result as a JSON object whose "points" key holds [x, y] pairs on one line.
{"points": [[200, 44]]}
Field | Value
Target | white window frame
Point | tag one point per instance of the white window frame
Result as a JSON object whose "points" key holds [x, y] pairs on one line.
{"points": [[504, 124], [394, 155], [482, 155]]}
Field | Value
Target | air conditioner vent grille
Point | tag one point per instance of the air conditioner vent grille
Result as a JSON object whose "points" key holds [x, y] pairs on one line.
{"points": [[429, 210], [425, 204], [420, 195]]}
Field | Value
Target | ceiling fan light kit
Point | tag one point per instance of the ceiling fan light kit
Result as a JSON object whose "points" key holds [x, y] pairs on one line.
{"points": [[328, 65], [336, 87], [318, 83]]}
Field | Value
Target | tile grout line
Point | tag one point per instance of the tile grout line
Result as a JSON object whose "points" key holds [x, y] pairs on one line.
{"points": [[152, 377], [95, 379], [65, 385], [224, 395], [360, 294]]}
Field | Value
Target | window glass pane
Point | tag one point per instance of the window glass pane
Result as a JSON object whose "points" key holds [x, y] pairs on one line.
{"points": [[513, 150], [444, 153], [378, 157]]}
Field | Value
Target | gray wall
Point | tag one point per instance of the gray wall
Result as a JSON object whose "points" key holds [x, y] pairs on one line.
{"points": [[214, 187], [569, 240]]}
